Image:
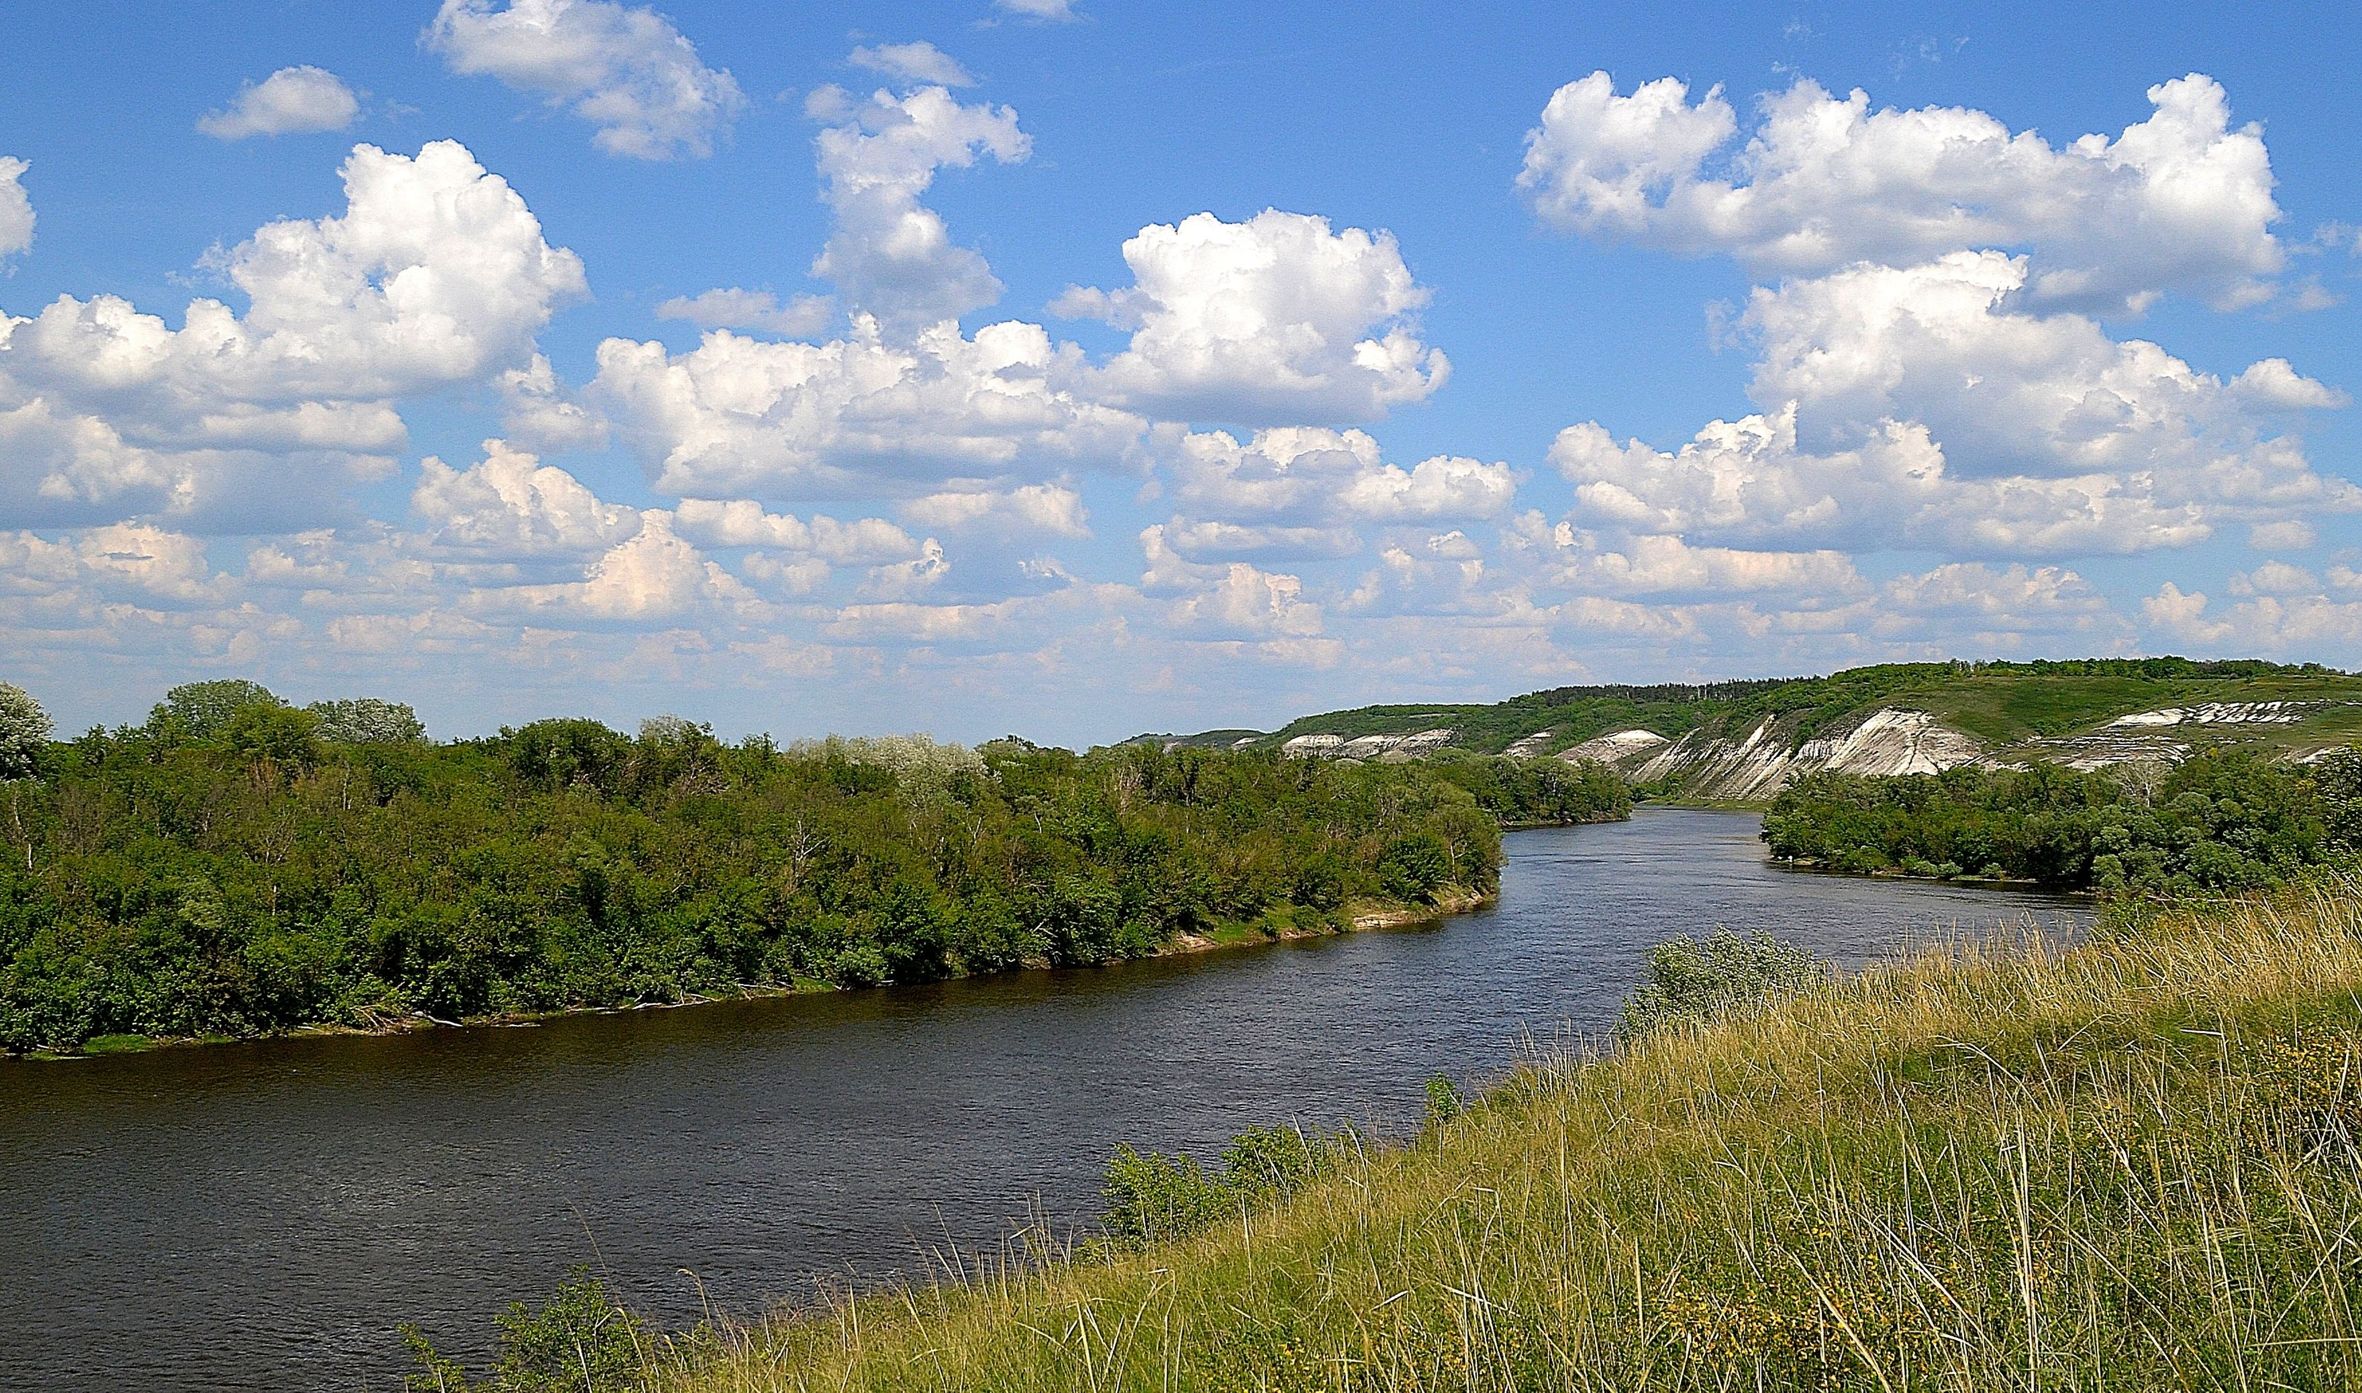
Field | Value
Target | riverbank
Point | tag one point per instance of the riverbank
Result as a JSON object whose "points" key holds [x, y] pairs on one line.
{"points": [[2132, 1161], [774, 1145], [1271, 928], [1811, 865]]}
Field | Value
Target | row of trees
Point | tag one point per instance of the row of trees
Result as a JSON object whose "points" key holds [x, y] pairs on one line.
{"points": [[2222, 820], [238, 865]]}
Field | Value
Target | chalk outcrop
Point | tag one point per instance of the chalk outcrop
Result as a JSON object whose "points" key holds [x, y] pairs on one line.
{"points": [[2219, 713], [1751, 762], [1772, 754], [1390, 746]]}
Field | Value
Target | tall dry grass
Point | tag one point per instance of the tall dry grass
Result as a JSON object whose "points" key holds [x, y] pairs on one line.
{"points": [[2131, 1164]]}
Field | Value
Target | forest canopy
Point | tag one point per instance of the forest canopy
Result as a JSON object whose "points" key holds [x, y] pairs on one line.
{"points": [[238, 865], [2221, 820]]}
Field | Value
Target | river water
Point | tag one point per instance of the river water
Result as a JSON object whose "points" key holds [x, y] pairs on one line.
{"points": [[263, 1215]]}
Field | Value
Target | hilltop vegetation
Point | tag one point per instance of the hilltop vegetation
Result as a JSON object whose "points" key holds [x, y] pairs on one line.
{"points": [[2001, 703], [239, 866], [2131, 1164]]}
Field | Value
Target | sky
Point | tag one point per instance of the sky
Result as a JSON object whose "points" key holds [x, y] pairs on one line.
{"points": [[1076, 369]]}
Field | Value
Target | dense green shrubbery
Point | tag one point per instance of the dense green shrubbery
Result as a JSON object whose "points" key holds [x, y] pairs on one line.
{"points": [[1153, 1198], [2222, 820], [579, 1341], [1693, 983], [1540, 790], [231, 869]]}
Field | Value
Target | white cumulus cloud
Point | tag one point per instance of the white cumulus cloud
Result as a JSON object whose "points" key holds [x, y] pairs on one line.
{"points": [[1055, 509], [654, 576], [889, 254], [1276, 319], [738, 417], [1246, 602], [1047, 11], [1313, 474], [2004, 389], [436, 274], [2181, 200], [625, 69], [741, 522], [16, 208], [1747, 483], [1665, 565], [512, 505], [288, 102]]}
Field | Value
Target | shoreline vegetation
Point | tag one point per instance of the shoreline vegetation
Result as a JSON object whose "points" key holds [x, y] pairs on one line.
{"points": [[238, 867], [1358, 918], [2136, 1160], [2222, 821]]}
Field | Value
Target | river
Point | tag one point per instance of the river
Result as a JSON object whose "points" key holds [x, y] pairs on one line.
{"points": [[262, 1215]]}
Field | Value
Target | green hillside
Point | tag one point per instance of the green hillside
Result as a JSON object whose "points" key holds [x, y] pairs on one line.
{"points": [[2002, 703], [2132, 1164]]}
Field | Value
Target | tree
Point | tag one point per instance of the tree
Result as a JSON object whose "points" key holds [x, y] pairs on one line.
{"points": [[24, 733], [279, 736], [566, 751], [202, 710], [367, 721], [24, 737]]}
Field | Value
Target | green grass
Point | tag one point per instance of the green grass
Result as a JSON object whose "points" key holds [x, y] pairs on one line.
{"points": [[2006, 709], [118, 1044], [2131, 1165]]}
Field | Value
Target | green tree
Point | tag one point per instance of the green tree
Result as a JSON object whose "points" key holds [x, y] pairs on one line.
{"points": [[24, 733], [367, 721], [280, 737], [24, 740], [265, 878], [198, 711]]}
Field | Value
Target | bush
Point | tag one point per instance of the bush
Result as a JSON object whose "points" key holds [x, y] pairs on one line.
{"points": [[1443, 1101], [1152, 1198], [1690, 982], [580, 1341]]}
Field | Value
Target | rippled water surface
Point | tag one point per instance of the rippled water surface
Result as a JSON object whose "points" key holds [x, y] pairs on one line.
{"points": [[261, 1216]]}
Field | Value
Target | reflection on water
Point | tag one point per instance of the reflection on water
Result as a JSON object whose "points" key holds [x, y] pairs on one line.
{"points": [[261, 1215]]}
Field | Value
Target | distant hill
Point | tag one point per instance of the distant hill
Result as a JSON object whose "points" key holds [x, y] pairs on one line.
{"points": [[1741, 741]]}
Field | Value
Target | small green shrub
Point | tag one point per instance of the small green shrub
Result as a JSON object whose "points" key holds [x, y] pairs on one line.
{"points": [[580, 1341], [1692, 982], [1153, 1197], [1443, 1101]]}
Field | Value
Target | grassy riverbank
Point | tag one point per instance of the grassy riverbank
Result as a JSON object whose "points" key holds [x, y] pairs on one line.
{"points": [[2129, 1164]]}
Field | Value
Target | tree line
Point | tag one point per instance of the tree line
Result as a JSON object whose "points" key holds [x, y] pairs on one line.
{"points": [[2223, 819], [238, 865]]}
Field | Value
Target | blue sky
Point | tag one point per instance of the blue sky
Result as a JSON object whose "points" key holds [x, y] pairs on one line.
{"points": [[1082, 369]]}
